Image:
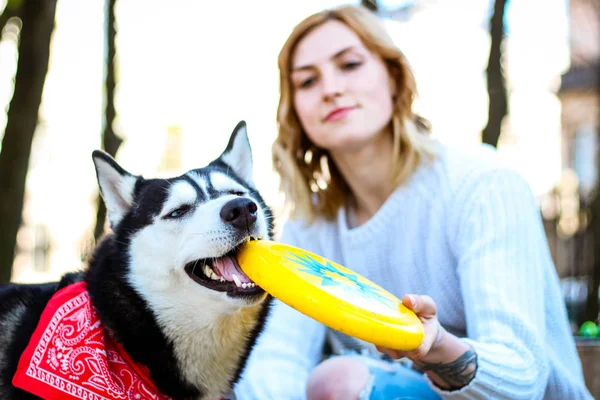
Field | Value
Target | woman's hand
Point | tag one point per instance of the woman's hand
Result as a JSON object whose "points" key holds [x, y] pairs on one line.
{"points": [[447, 360], [425, 309]]}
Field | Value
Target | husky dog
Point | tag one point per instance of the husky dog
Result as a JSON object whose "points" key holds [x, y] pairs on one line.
{"points": [[165, 283]]}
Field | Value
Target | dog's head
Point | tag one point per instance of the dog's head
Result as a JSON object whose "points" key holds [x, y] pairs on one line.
{"points": [[179, 236]]}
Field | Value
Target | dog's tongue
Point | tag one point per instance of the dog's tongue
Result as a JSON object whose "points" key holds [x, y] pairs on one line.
{"points": [[226, 267]]}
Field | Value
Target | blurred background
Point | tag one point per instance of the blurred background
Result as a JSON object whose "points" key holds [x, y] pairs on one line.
{"points": [[160, 85]]}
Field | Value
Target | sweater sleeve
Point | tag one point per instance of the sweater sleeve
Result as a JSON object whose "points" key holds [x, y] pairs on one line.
{"points": [[503, 264], [285, 353]]}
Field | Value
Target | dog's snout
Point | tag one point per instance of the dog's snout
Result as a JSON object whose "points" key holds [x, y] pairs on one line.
{"points": [[240, 213]]}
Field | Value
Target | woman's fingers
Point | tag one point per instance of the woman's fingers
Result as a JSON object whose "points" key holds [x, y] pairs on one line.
{"points": [[423, 306], [395, 354]]}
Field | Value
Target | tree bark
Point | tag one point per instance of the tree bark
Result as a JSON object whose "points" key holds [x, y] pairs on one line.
{"points": [[498, 103], [34, 53], [110, 141]]}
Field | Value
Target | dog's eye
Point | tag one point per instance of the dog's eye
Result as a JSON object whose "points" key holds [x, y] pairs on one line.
{"points": [[236, 193], [179, 212]]}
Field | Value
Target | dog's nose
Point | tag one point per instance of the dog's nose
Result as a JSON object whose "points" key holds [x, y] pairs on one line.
{"points": [[240, 213]]}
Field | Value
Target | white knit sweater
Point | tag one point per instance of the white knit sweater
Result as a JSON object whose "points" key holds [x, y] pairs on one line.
{"points": [[466, 231]]}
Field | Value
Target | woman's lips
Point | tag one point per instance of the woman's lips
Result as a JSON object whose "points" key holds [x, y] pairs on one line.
{"points": [[338, 114]]}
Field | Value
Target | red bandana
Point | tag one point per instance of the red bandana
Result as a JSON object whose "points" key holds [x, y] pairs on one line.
{"points": [[70, 357]]}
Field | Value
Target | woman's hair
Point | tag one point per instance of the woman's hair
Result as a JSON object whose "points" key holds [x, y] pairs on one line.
{"points": [[312, 184]]}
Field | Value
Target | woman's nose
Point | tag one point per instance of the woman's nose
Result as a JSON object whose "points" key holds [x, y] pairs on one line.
{"points": [[332, 84]]}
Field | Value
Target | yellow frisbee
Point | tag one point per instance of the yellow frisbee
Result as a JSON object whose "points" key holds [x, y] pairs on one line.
{"points": [[331, 294]]}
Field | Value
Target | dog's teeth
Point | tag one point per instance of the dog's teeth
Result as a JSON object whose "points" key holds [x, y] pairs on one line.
{"points": [[237, 281], [208, 271], [244, 285], [222, 279]]}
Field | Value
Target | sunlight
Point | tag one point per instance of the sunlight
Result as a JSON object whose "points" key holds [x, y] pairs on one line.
{"points": [[189, 71]]}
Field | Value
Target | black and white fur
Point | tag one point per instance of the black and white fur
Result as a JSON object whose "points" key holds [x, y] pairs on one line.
{"points": [[146, 282]]}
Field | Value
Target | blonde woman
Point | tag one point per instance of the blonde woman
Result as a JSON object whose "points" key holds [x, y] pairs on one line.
{"points": [[452, 232]]}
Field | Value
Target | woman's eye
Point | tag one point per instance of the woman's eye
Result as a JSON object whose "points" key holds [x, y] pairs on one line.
{"points": [[307, 83], [351, 65], [179, 212]]}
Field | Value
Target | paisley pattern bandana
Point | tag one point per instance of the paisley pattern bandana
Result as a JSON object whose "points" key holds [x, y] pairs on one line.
{"points": [[70, 356]]}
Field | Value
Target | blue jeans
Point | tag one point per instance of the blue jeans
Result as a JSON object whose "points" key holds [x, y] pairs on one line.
{"points": [[392, 381]]}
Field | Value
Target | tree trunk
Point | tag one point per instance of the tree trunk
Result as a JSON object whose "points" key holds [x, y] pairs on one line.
{"points": [[110, 141], [34, 54], [496, 86]]}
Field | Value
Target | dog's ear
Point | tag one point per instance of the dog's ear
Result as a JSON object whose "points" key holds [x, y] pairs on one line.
{"points": [[238, 153], [116, 186]]}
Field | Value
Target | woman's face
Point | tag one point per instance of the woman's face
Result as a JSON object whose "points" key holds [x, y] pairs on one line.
{"points": [[342, 91]]}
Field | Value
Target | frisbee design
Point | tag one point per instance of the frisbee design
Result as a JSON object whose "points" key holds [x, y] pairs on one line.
{"points": [[336, 278], [332, 294]]}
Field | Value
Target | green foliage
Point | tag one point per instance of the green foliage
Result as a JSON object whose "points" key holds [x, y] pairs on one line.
{"points": [[588, 329]]}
